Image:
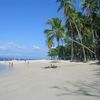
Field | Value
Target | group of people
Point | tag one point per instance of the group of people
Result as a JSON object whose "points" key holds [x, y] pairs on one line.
{"points": [[27, 62], [11, 64]]}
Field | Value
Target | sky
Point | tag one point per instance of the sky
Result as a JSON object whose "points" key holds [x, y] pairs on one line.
{"points": [[22, 25]]}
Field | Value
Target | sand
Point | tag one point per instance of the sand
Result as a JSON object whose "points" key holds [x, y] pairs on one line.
{"points": [[32, 81]]}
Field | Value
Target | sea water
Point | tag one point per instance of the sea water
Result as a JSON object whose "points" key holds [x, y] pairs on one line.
{"points": [[3, 68]]}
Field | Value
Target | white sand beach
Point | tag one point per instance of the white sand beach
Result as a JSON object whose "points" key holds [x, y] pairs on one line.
{"points": [[32, 81]]}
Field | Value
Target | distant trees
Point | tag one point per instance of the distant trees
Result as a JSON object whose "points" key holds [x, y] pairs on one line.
{"points": [[53, 53], [63, 54], [79, 35]]}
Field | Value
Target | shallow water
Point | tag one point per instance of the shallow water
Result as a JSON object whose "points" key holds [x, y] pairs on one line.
{"points": [[3, 68]]}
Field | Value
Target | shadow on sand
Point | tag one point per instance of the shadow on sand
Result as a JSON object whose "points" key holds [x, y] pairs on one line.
{"points": [[81, 87], [51, 66]]}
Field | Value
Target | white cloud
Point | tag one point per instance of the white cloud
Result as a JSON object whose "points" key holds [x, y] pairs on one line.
{"points": [[10, 46], [2, 48], [36, 47], [13, 49]]}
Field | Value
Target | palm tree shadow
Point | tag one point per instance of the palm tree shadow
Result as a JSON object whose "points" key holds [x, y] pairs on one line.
{"points": [[97, 72], [79, 88]]}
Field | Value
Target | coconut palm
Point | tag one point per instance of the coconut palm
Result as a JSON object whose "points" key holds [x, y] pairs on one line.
{"points": [[69, 11], [82, 29], [55, 33], [68, 8], [92, 8]]}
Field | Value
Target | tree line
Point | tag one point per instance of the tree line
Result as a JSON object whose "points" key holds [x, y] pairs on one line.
{"points": [[77, 35]]}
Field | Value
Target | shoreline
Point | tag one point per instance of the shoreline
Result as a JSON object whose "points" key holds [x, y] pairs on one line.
{"points": [[70, 80]]}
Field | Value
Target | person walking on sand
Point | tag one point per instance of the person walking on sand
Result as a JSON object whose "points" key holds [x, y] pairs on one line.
{"points": [[27, 62], [11, 65]]}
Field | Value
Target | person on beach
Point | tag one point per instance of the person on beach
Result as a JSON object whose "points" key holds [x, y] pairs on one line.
{"points": [[11, 65], [27, 62]]}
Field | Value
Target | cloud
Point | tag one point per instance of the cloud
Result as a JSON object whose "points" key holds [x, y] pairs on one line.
{"points": [[36, 47], [10, 46], [2, 48], [13, 49]]}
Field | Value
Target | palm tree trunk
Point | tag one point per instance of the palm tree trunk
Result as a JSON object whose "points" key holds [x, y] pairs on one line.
{"points": [[72, 50], [58, 50], [81, 45], [80, 37]]}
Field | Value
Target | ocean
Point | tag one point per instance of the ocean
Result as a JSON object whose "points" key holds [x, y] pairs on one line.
{"points": [[3, 68]]}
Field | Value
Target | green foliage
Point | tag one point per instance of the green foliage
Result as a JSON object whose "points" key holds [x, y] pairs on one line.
{"points": [[56, 31], [53, 53], [80, 33]]}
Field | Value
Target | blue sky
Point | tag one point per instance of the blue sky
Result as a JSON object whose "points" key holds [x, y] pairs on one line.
{"points": [[22, 23]]}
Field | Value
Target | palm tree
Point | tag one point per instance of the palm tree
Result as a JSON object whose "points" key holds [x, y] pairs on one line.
{"points": [[56, 32], [69, 11], [76, 22], [92, 8], [68, 8], [81, 29]]}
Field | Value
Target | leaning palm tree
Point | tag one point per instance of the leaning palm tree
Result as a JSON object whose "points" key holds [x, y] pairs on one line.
{"points": [[75, 21], [69, 12], [68, 8], [92, 8], [56, 32]]}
